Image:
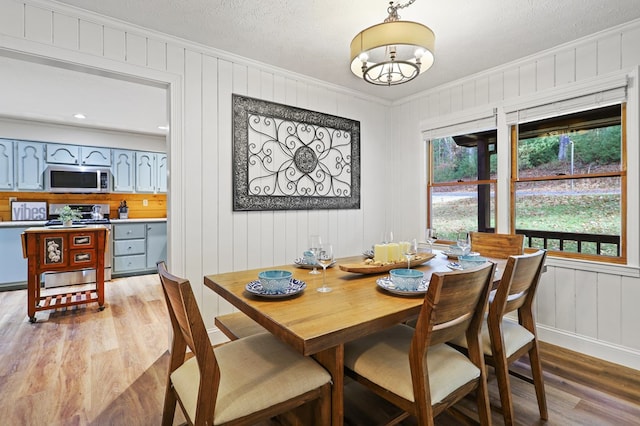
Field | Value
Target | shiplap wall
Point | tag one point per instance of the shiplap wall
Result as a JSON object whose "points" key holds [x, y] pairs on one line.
{"points": [[582, 306], [206, 236], [585, 306]]}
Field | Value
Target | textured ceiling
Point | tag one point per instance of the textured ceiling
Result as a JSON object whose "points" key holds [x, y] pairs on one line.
{"points": [[312, 37]]}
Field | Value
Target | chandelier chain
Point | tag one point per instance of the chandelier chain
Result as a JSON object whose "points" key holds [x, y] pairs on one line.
{"points": [[393, 10]]}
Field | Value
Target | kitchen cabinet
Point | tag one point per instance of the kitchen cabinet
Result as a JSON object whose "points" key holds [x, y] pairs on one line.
{"points": [[12, 264], [62, 250], [156, 243], [129, 248], [145, 171], [30, 164], [137, 247], [7, 178], [78, 155], [151, 172], [161, 177], [123, 170]]}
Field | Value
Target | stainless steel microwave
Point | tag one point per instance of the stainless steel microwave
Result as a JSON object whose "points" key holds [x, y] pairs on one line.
{"points": [[77, 179]]}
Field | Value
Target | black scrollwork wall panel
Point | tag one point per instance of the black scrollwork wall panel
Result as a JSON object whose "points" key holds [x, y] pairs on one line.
{"points": [[287, 158]]}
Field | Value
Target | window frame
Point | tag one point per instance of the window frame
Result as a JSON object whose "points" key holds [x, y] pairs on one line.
{"points": [[621, 174], [432, 184]]}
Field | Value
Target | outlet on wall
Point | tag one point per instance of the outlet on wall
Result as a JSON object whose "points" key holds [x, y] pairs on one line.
{"points": [[145, 203]]}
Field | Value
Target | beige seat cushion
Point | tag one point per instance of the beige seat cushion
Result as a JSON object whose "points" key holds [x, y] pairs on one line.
{"points": [[514, 335], [383, 358], [256, 372]]}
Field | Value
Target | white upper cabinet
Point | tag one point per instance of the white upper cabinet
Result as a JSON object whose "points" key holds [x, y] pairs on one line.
{"points": [[30, 165], [161, 178], [94, 156], [6, 164], [78, 155], [151, 172], [123, 170], [146, 171]]}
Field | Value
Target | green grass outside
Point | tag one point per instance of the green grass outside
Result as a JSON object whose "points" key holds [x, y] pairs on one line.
{"points": [[593, 214]]}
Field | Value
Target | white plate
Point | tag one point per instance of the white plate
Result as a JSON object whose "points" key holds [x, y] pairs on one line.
{"points": [[300, 263], [295, 287], [386, 284], [455, 266]]}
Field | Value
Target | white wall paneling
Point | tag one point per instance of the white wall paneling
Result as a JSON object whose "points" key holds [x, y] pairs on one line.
{"points": [[584, 306]]}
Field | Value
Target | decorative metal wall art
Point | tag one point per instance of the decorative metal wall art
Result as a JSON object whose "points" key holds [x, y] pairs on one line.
{"points": [[287, 158]]}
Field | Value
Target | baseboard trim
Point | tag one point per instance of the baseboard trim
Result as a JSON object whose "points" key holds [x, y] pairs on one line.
{"points": [[606, 351], [216, 336]]}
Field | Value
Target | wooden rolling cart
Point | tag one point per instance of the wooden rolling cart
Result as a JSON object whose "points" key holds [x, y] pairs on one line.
{"points": [[63, 249]]}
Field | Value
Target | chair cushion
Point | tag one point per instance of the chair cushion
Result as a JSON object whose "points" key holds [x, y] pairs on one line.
{"points": [[256, 372], [383, 358], [514, 335]]}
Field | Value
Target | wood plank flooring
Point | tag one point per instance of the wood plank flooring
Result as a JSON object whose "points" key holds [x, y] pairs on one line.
{"points": [[85, 367]]}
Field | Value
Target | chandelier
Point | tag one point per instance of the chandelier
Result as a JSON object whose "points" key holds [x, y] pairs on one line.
{"points": [[393, 52]]}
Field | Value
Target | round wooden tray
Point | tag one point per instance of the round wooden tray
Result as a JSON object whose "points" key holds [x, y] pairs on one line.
{"points": [[363, 268]]}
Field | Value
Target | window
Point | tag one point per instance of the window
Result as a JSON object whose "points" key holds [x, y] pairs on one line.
{"points": [[461, 183], [568, 184]]}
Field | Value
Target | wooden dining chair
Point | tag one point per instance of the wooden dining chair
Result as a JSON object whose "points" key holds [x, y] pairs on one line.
{"points": [[504, 340], [414, 368], [497, 245], [241, 382]]}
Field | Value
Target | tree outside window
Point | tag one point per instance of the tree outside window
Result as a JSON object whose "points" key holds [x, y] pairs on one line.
{"points": [[461, 184], [568, 185]]}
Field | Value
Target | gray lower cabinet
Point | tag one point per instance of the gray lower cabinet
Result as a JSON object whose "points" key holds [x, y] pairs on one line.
{"points": [[156, 243], [13, 267], [138, 246]]}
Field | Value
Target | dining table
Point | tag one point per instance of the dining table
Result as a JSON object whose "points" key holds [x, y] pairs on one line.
{"points": [[319, 324]]}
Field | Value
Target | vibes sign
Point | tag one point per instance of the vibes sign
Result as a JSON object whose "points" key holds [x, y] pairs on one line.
{"points": [[25, 210]]}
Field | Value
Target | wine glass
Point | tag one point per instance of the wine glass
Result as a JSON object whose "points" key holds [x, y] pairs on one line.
{"points": [[325, 257], [410, 250], [387, 237], [431, 236], [315, 241], [464, 243]]}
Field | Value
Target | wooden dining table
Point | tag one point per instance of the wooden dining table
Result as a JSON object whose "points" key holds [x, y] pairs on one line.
{"points": [[319, 324]]}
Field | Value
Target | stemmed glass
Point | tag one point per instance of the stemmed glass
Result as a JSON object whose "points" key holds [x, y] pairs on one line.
{"points": [[325, 257], [314, 247], [431, 236], [387, 237], [464, 243], [410, 250]]}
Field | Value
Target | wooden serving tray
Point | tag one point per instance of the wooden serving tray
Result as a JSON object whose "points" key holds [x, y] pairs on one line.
{"points": [[363, 268]]}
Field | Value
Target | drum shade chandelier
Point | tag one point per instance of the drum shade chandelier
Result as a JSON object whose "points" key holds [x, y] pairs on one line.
{"points": [[393, 52]]}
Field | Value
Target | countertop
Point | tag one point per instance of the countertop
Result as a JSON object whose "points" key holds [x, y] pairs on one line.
{"points": [[30, 223]]}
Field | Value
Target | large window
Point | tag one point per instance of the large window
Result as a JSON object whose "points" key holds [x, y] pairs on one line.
{"points": [[461, 183], [568, 184]]}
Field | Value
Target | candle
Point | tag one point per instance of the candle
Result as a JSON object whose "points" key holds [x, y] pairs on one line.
{"points": [[381, 253], [394, 252]]}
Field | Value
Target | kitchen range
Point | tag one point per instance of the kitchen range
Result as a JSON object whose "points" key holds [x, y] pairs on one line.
{"points": [[92, 214]]}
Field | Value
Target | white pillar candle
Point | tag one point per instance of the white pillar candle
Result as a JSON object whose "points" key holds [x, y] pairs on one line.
{"points": [[380, 253], [394, 252]]}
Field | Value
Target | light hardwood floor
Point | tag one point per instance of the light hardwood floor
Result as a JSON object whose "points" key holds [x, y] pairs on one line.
{"points": [[85, 367]]}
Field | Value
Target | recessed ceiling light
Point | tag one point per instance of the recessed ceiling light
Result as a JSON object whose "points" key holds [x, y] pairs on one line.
{"points": [[79, 116]]}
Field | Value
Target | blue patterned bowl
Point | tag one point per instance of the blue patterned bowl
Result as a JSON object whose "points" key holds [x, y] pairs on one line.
{"points": [[274, 281], [468, 262], [406, 279]]}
